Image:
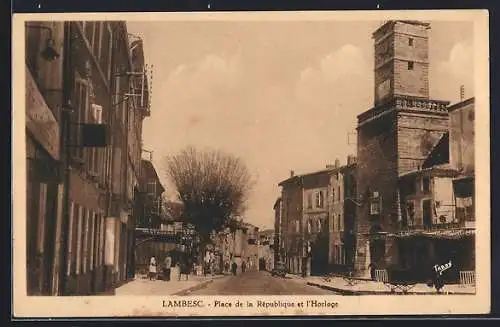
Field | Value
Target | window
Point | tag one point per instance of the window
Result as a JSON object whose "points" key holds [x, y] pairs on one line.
{"points": [[71, 226], [410, 42], [97, 236], [333, 194], [338, 222], [408, 186], [86, 240], [106, 48], [95, 154], [426, 184], [42, 216], [309, 201], [465, 209], [151, 189], [410, 65], [75, 237], [297, 226], [319, 225], [124, 111], [410, 212], [79, 248], [81, 98], [319, 199]]}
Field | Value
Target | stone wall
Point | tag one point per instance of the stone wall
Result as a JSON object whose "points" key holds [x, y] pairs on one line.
{"points": [[417, 135]]}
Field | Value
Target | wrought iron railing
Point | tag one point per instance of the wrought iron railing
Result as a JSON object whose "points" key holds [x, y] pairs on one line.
{"points": [[433, 226]]}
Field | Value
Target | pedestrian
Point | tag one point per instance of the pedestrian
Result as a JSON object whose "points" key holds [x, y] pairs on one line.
{"points": [[152, 268], [234, 266], [372, 268], [243, 266], [167, 263], [183, 270], [226, 267]]}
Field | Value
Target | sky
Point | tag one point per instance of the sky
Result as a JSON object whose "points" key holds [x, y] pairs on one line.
{"points": [[280, 95]]}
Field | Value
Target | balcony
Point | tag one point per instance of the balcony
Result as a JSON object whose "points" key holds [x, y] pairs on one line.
{"points": [[403, 103], [453, 230]]}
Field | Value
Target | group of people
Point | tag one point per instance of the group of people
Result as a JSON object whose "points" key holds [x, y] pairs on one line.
{"points": [[166, 267], [156, 269], [234, 266]]}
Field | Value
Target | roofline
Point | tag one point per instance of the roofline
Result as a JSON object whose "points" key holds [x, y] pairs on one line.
{"points": [[393, 21], [430, 169], [323, 171], [278, 200], [155, 172], [461, 104]]}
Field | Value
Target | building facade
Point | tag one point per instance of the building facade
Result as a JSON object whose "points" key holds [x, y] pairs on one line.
{"points": [[237, 243], [44, 125], [279, 226], [342, 214], [399, 176], [266, 249], [311, 215], [149, 218], [437, 202], [80, 219]]}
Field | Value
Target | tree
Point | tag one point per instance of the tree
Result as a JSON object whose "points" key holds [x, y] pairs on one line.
{"points": [[213, 186]]}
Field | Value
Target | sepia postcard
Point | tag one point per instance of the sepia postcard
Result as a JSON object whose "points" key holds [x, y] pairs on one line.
{"points": [[251, 164]]}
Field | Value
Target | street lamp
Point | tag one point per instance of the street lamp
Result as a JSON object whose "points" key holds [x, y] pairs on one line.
{"points": [[49, 53]]}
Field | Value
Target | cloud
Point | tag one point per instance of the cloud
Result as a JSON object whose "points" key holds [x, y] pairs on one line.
{"points": [[456, 70], [339, 76], [346, 61], [211, 74], [460, 62]]}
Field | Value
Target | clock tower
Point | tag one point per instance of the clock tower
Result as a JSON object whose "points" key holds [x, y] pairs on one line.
{"points": [[401, 60], [395, 136]]}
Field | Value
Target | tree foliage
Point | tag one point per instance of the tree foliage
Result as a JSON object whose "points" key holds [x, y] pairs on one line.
{"points": [[213, 186]]}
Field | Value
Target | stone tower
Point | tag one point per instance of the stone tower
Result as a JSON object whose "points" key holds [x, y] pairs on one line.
{"points": [[395, 136]]}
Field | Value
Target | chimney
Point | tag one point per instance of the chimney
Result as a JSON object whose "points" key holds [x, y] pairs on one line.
{"points": [[292, 173], [462, 92], [351, 159], [337, 163]]}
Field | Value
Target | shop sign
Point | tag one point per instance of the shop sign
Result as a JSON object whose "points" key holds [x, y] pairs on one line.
{"points": [[40, 120]]}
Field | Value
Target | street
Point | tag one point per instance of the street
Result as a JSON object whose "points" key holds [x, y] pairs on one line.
{"points": [[258, 283]]}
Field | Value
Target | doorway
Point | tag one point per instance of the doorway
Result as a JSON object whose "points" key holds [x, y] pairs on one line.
{"points": [[427, 213]]}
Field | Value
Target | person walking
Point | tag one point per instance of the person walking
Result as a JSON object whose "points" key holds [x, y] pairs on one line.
{"points": [[372, 266], [167, 263], [152, 268], [243, 266], [234, 266]]}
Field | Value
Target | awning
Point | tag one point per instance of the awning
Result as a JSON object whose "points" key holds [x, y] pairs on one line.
{"points": [[463, 187]]}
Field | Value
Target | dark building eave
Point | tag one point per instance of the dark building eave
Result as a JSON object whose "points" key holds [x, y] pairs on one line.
{"points": [[432, 172], [440, 153], [461, 104]]}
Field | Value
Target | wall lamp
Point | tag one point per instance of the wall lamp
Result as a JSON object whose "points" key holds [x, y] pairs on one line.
{"points": [[49, 53]]}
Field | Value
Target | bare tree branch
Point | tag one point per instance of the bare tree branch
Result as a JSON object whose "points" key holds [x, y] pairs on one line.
{"points": [[213, 186]]}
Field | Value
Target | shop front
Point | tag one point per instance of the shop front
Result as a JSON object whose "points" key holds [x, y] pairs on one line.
{"points": [[43, 192], [421, 253]]}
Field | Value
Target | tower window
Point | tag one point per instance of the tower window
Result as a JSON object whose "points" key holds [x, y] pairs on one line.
{"points": [[410, 42], [410, 65]]}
